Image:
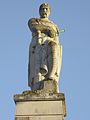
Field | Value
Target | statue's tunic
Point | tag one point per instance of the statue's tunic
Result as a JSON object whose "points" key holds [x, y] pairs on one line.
{"points": [[45, 51]]}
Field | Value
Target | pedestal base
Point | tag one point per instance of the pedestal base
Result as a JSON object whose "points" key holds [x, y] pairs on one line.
{"points": [[40, 118], [35, 107]]}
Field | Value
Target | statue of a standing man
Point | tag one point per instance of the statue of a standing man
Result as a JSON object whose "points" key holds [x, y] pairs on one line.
{"points": [[45, 51]]}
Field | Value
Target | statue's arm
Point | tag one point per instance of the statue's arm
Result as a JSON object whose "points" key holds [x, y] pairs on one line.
{"points": [[33, 24]]}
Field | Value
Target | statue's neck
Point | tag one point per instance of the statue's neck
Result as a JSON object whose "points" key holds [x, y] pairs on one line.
{"points": [[45, 19]]}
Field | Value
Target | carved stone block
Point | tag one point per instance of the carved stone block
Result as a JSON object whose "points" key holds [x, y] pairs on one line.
{"points": [[22, 118], [47, 86], [40, 118], [40, 108]]}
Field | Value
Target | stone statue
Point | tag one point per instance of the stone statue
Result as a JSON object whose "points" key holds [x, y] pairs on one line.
{"points": [[43, 101], [45, 51]]}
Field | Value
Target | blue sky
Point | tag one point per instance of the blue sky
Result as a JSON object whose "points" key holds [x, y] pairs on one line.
{"points": [[15, 36]]}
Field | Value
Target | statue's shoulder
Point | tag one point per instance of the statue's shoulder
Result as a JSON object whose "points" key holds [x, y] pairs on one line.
{"points": [[34, 20], [32, 23]]}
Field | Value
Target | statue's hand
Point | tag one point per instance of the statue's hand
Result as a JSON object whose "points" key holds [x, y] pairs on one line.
{"points": [[51, 40], [40, 41]]}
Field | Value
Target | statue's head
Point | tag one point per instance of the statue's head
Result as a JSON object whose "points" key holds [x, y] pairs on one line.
{"points": [[44, 10]]}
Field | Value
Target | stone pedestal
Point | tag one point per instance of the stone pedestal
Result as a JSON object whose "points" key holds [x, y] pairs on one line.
{"points": [[36, 107]]}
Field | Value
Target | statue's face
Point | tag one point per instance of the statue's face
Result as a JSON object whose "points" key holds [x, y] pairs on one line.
{"points": [[44, 11]]}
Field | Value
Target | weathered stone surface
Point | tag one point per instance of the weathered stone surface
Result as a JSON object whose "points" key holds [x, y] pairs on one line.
{"points": [[43, 102], [45, 51], [39, 108], [46, 86], [57, 117], [22, 118], [38, 96], [36, 105]]}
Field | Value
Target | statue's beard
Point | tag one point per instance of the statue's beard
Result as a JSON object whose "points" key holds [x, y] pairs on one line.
{"points": [[44, 15]]}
